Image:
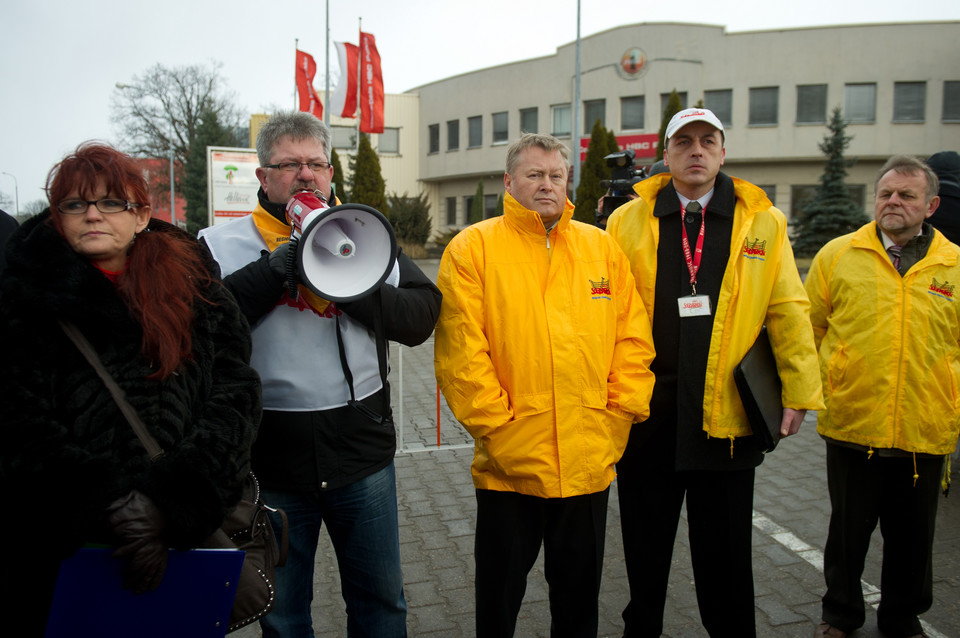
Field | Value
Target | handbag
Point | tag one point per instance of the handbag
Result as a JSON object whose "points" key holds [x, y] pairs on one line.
{"points": [[246, 527]]}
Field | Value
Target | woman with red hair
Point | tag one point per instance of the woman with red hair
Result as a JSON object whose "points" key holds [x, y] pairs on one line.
{"points": [[148, 299]]}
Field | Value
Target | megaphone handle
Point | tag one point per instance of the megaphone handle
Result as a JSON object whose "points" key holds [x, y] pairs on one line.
{"points": [[291, 268]]}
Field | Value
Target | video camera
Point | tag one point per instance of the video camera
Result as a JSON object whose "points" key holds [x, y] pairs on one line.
{"points": [[620, 185]]}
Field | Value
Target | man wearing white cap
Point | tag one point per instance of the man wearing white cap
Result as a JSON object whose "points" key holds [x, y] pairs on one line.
{"points": [[709, 289]]}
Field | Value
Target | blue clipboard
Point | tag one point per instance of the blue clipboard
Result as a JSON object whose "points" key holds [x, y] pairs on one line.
{"points": [[193, 600]]}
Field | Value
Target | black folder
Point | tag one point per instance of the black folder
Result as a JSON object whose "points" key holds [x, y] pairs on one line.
{"points": [[760, 391]]}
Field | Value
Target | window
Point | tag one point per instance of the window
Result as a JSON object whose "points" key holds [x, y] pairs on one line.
{"points": [[561, 120], [500, 133], [434, 135], [631, 112], [343, 136], [390, 140], [474, 131], [909, 101], [764, 104], [951, 101], [812, 104], [490, 206], [467, 207], [528, 120], [451, 211], [860, 102], [453, 135], [665, 97], [721, 103], [594, 110]]}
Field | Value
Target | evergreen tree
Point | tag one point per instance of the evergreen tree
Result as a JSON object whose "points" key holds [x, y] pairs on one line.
{"points": [[832, 212], [193, 182], [475, 213], [411, 219], [674, 106], [367, 185], [339, 189], [594, 171], [613, 146], [499, 211]]}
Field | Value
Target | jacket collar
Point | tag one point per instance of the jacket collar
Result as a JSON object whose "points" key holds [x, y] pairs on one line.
{"points": [[722, 203], [49, 280], [867, 236], [277, 210], [528, 220]]}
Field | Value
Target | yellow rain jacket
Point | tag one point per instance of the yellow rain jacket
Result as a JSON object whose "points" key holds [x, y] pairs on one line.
{"points": [[889, 346], [543, 352], [761, 285]]}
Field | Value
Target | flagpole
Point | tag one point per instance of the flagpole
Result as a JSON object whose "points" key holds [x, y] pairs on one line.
{"points": [[359, 91], [326, 101], [296, 47], [576, 114]]}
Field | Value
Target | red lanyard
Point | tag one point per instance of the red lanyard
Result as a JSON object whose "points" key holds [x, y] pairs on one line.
{"points": [[693, 262]]}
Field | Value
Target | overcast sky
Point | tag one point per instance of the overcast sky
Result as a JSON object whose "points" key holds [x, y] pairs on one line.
{"points": [[60, 59]]}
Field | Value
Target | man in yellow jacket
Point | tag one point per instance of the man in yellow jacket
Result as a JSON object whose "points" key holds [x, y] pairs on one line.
{"points": [[542, 351], [886, 317], [713, 264]]}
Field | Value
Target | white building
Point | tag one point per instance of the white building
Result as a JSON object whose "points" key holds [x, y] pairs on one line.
{"points": [[898, 86]]}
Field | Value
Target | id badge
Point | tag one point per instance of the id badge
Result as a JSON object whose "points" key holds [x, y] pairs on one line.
{"points": [[694, 306]]}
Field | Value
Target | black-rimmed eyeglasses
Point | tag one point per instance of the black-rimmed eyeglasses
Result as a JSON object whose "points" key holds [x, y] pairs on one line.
{"points": [[106, 205], [294, 167]]}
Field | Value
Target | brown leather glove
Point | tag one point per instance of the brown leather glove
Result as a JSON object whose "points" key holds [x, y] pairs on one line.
{"points": [[138, 525]]}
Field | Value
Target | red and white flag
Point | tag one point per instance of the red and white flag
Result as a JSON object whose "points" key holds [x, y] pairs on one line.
{"points": [[343, 102], [306, 69], [371, 86]]}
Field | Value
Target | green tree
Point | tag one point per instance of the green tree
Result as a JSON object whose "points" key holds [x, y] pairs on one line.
{"points": [[674, 106], [613, 146], [193, 181], [832, 211], [594, 171], [338, 187], [499, 211], [475, 213], [411, 221], [367, 185]]}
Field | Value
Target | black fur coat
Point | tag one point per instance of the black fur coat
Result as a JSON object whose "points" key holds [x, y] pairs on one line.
{"points": [[66, 451]]}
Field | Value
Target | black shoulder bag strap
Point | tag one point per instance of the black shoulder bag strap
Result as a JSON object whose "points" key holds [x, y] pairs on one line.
{"points": [[381, 342], [154, 451]]}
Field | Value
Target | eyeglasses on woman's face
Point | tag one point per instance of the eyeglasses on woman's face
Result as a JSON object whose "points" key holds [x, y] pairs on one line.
{"points": [[106, 205]]}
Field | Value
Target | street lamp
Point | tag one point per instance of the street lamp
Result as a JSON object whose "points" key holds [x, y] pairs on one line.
{"points": [[173, 201], [16, 191]]}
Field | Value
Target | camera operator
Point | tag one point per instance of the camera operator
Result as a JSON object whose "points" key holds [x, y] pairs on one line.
{"points": [[620, 185]]}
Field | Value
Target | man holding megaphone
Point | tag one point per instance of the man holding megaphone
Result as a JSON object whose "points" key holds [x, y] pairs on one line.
{"points": [[324, 288]]}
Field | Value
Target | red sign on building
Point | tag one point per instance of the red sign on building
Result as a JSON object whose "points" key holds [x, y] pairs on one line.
{"points": [[645, 146]]}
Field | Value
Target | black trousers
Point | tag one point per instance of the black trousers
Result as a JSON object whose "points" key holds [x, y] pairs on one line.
{"points": [[720, 522], [864, 491], [511, 528]]}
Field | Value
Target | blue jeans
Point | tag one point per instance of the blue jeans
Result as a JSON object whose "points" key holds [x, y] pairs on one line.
{"points": [[363, 525]]}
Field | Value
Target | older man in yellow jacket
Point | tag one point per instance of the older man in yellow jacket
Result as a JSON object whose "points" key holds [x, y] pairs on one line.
{"points": [[886, 318], [542, 351]]}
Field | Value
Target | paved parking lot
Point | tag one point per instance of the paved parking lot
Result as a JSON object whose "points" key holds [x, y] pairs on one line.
{"points": [[438, 515]]}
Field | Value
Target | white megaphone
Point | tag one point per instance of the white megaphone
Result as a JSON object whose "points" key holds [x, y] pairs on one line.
{"points": [[343, 252]]}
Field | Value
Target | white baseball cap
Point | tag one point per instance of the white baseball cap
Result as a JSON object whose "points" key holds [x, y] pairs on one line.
{"points": [[688, 116]]}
